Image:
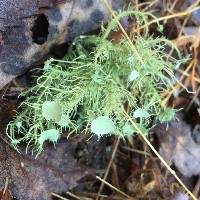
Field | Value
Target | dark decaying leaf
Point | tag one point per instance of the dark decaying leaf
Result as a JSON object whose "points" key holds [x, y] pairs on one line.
{"points": [[55, 170]]}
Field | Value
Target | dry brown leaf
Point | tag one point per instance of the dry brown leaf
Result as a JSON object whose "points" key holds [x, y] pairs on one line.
{"points": [[149, 186]]}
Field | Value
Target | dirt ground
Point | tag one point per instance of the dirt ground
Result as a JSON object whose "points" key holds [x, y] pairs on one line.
{"points": [[81, 167]]}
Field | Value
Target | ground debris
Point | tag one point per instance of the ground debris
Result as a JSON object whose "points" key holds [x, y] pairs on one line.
{"points": [[134, 170], [178, 146]]}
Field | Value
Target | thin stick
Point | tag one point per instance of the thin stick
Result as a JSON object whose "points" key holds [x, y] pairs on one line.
{"points": [[109, 166], [73, 195], [150, 5], [123, 31], [114, 188], [193, 99], [180, 14], [176, 86], [6, 186], [58, 196], [186, 74], [186, 19], [137, 151], [173, 5]]}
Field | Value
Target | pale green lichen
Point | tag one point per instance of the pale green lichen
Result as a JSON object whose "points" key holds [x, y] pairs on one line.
{"points": [[93, 84]]}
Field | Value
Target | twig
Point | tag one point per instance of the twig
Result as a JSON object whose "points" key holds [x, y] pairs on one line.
{"points": [[74, 196], [58, 196], [114, 188], [193, 99], [186, 74], [150, 5], [123, 31], [176, 86], [6, 186], [173, 5], [180, 14], [109, 166], [137, 151]]}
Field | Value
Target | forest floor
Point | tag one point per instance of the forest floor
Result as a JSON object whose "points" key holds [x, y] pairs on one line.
{"points": [[112, 168]]}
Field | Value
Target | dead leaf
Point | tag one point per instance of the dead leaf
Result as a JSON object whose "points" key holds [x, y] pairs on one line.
{"points": [[178, 146], [149, 186], [191, 35], [55, 170]]}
